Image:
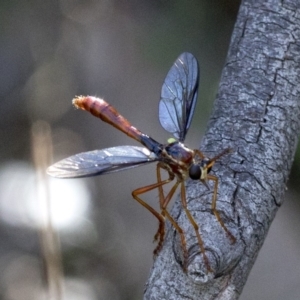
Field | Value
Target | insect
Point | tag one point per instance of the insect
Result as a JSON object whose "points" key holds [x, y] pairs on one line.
{"points": [[176, 108]]}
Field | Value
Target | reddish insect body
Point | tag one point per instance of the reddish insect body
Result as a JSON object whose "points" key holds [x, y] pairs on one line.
{"points": [[176, 107]]}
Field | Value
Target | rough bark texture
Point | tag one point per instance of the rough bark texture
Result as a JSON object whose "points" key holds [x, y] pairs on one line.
{"points": [[257, 114]]}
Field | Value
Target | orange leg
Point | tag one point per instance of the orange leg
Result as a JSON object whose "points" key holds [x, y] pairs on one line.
{"points": [[160, 188], [164, 201], [159, 216], [214, 209], [199, 153], [165, 213], [161, 230], [216, 181], [196, 227], [163, 206]]}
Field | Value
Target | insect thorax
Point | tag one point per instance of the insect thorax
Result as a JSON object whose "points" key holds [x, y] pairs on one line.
{"points": [[177, 158]]}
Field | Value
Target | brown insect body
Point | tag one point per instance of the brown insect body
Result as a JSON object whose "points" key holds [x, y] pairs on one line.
{"points": [[176, 107], [107, 113], [178, 158]]}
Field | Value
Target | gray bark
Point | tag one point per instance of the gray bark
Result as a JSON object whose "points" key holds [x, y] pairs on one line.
{"points": [[257, 114]]}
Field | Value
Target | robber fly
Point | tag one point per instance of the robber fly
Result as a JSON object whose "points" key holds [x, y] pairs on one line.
{"points": [[176, 108]]}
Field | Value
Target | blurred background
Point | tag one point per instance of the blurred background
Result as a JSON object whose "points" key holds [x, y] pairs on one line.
{"points": [[98, 244]]}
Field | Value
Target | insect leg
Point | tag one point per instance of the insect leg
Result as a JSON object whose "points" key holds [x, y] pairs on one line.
{"points": [[164, 201], [160, 188], [196, 227], [174, 223], [159, 216], [199, 153], [214, 209], [163, 205], [161, 230]]}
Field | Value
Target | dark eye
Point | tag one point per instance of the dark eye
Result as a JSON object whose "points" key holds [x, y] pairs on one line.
{"points": [[195, 172]]}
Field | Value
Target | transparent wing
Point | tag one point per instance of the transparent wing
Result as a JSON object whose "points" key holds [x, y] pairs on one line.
{"points": [[101, 162], [179, 95]]}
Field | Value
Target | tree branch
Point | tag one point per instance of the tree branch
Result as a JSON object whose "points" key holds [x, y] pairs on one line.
{"points": [[256, 114]]}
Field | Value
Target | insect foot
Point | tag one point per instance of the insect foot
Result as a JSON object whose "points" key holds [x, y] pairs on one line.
{"points": [[219, 253]]}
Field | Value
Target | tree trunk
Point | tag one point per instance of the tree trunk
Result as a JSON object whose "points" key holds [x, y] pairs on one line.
{"points": [[256, 113]]}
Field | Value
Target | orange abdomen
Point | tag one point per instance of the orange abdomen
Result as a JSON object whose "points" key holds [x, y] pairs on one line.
{"points": [[107, 113]]}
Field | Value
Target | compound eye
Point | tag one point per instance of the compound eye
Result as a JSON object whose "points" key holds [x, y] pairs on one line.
{"points": [[195, 172]]}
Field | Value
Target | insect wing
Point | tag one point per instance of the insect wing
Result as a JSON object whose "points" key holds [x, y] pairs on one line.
{"points": [[179, 95], [101, 162]]}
